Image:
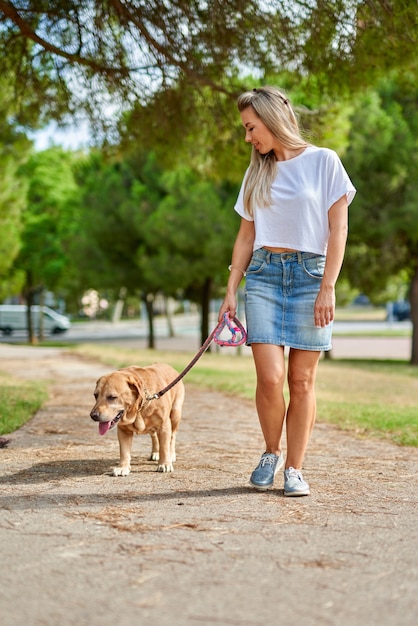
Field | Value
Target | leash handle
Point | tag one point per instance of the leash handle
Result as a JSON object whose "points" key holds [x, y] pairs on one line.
{"points": [[239, 336], [238, 333]]}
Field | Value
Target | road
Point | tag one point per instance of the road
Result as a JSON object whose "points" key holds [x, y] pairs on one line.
{"points": [[134, 333]]}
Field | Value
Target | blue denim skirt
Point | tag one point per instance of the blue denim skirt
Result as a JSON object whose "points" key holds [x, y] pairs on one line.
{"points": [[280, 294]]}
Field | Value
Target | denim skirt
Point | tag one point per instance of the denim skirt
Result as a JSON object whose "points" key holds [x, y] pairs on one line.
{"points": [[280, 294]]}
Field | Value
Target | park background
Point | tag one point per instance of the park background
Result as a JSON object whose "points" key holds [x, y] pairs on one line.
{"points": [[122, 154], [139, 212]]}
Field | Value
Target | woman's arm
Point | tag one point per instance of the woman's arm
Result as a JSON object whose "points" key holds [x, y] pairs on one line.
{"points": [[338, 229], [241, 255]]}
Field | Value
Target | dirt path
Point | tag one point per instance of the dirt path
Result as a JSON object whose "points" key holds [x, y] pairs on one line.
{"points": [[196, 547]]}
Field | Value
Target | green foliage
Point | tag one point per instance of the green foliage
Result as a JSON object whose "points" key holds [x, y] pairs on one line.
{"points": [[315, 37], [14, 148], [116, 197], [51, 202], [190, 234], [384, 215], [151, 230], [190, 127], [386, 38], [178, 55], [12, 200]]}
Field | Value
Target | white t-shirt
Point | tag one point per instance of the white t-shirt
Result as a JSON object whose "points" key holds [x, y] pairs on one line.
{"points": [[304, 189]]}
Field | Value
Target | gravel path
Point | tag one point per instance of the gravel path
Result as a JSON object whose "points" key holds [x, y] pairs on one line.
{"points": [[196, 547]]}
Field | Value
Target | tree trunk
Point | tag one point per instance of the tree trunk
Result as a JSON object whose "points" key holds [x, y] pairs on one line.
{"points": [[149, 305], [205, 303], [414, 317], [29, 293], [117, 313], [169, 317], [41, 325], [29, 319]]}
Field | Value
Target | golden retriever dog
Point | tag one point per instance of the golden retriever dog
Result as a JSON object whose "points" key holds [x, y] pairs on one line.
{"points": [[124, 398]]}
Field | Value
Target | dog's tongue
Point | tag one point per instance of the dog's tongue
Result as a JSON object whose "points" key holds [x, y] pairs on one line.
{"points": [[104, 427]]}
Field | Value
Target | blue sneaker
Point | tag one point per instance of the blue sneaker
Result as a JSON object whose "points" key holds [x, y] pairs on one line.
{"points": [[294, 485], [263, 475]]}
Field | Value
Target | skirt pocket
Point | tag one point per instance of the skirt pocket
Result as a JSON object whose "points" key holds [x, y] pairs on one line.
{"points": [[314, 266], [257, 264]]}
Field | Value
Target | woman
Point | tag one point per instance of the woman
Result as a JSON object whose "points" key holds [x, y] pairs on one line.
{"points": [[290, 246]]}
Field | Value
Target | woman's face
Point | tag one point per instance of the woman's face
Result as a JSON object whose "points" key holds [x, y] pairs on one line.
{"points": [[256, 132]]}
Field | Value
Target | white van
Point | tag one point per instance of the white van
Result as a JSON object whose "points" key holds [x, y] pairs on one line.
{"points": [[14, 317]]}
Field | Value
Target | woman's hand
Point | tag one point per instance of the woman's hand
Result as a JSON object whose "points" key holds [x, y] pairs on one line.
{"points": [[229, 305], [324, 310]]}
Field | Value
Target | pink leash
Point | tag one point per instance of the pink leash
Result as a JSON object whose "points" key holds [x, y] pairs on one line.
{"points": [[238, 337]]}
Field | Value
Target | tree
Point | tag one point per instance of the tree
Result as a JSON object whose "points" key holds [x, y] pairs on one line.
{"points": [[152, 232], [51, 194], [382, 160], [117, 196], [191, 234], [78, 51], [14, 149], [110, 198], [198, 128]]}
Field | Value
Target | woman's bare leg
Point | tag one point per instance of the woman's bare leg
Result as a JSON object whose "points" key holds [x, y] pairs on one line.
{"points": [[301, 412], [271, 408]]}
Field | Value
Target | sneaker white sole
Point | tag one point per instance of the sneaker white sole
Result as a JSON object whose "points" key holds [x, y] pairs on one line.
{"points": [[302, 492]]}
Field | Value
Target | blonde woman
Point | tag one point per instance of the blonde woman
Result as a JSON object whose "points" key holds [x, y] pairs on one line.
{"points": [[290, 247]]}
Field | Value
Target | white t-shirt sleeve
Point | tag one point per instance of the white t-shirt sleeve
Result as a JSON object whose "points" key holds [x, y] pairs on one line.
{"points": [[337, 181], [239, 205]]}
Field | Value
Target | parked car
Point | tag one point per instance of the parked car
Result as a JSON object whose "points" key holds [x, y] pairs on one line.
{"points": [[361, 300], [398, 311], [14, 317]]}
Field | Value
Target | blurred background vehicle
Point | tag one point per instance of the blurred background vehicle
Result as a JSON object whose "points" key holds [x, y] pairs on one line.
{"points": [[398, 311], [14, 317]]}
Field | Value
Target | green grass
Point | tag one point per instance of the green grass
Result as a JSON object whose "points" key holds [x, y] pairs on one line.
{"points": [[19, 401], [369, 398], [374, 398]]}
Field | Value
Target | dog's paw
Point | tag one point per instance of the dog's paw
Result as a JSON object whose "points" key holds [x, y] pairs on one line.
{"points": [[154, 456], [121, 471], [165, 467]]}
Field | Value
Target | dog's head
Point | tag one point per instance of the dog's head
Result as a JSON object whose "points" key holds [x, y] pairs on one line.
{"points": [[118, 399]]}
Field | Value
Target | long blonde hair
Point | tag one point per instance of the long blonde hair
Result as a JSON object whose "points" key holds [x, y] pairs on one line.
{"points": [[273, 108]]}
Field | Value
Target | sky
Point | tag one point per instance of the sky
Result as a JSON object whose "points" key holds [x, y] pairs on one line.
{"points": [[70, 138]]}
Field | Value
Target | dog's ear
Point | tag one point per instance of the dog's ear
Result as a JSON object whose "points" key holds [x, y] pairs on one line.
{"points": [[137, 388], [100, 381], [96, 386], [135, 384]]}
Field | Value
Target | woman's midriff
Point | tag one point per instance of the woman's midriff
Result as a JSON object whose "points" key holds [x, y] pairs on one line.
{"points": [[278, 250]]}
